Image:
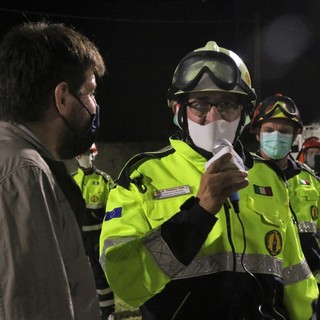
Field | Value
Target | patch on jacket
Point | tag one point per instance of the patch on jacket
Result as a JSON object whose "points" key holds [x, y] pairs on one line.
{"points": [[266, 191], [314, 212], [115, 213], [273, 241], [94, 199], [171, 192], [304, 182]]}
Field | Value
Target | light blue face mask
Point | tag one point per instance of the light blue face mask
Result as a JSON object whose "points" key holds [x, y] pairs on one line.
{"points": [[275, 144]]}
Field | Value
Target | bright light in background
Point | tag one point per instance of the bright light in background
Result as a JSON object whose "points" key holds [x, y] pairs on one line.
{"points": [[285, 39]]}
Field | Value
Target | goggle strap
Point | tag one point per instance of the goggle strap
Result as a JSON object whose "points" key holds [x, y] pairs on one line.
{"points": [[251, 94]]}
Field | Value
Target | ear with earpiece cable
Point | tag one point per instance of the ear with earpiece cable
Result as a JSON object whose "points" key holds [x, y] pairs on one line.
{"points": [[180, 118]]}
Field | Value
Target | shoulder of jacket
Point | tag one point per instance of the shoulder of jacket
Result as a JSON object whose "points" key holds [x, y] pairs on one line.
{"points": [[269, 164], [106, 176], [74, 173], [256, 157], [305, 167], [136, 161]]}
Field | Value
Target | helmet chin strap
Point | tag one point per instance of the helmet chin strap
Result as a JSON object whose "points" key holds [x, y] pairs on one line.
{"points": [[241, 126]]}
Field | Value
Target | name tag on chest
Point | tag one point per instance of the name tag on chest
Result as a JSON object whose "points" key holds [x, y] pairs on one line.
{"points": [[171, 192]]}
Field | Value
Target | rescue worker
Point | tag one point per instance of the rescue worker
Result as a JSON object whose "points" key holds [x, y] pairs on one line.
{"points": [[276, 123], [172, 244], [94, 185], [310, 153]]}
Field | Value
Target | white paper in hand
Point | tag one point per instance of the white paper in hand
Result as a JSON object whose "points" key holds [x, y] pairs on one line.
{"points": [[223, 146]]}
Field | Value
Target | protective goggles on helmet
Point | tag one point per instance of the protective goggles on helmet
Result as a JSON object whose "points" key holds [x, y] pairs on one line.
{"points": [[270, 105], [221, 68]]}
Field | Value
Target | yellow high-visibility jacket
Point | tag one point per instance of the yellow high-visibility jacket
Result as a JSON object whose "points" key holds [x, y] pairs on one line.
{"points": [[304, 194], [163, 252]]}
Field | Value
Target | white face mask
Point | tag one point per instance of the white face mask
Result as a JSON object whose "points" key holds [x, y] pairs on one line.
{"points": [[85, 161], [205, 136]]}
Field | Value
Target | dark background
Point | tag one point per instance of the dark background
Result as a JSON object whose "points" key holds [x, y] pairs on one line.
{"points": [[143, 41]]}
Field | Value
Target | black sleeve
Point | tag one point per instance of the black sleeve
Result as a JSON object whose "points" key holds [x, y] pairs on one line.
{"points": [[187, 230], [311, 250]]}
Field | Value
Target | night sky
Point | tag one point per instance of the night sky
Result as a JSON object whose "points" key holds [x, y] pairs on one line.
{"points": [[143, 41]]}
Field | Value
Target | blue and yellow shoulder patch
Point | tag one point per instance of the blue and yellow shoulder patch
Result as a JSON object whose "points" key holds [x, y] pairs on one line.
{"points": [[115, 213]]}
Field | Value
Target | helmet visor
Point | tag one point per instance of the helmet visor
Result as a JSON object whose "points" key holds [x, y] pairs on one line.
{"points": [[220, 67]]}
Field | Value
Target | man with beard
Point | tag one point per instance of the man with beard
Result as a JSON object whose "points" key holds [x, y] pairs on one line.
{"points": [[48, 112], [177, 240]]}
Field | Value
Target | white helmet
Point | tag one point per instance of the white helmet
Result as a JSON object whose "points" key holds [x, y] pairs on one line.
{"points": [[212, 68], [208, 69]]}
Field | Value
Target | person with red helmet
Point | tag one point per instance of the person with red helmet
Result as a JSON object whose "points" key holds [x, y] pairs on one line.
{"points": [[310, 153], [95, 186], [276, 122]]}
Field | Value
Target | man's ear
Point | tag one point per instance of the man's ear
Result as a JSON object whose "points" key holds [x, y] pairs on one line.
{"points": [[60, 94], [175, 107], [295, 134], [257, 133]]}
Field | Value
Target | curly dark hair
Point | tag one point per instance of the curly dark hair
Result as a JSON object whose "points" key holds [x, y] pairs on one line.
{"points": [[34, 58]]}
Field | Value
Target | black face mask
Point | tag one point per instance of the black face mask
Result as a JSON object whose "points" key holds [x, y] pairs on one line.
{"points": [[84, 141]]}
